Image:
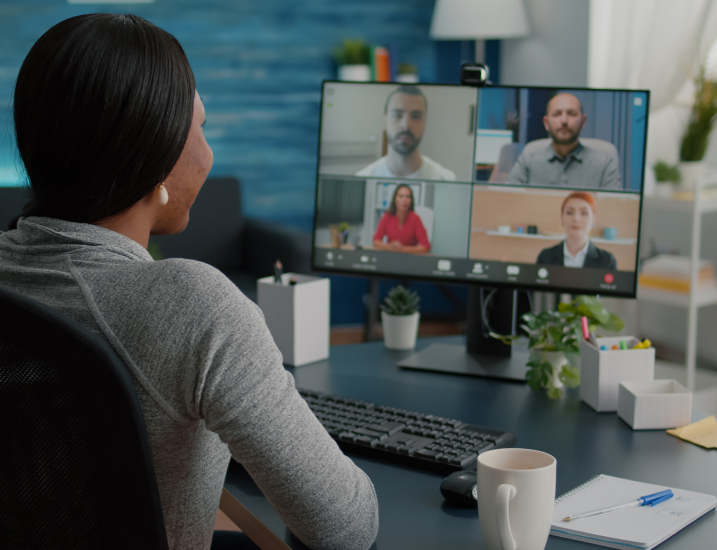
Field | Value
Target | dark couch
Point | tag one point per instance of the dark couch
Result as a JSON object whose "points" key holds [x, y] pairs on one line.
{"points": [[244, 249]]}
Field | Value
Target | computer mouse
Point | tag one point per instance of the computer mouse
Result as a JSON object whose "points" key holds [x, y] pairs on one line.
{"points": [[461, 489]]}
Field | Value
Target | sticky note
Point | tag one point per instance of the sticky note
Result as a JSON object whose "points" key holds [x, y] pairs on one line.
{"points": [[702, 433]]}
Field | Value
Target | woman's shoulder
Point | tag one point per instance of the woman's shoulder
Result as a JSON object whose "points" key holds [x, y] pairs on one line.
{"points": [[551, 254], [180, 280]]}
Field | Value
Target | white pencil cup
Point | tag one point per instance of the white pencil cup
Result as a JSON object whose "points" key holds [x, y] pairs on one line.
{"points": [[602, 370], [297, 316]]}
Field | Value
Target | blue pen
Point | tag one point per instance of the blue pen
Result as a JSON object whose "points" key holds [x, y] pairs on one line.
{"points": [[650, 500]]}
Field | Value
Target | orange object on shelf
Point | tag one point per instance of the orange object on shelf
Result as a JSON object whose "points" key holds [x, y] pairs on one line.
{"points": [[383, 67]]}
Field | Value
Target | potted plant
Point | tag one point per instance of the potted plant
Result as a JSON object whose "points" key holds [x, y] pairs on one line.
{"points": [[696, 137], [407, 73], [399, 318], [353, 59], [667, 177], [554, 336]]}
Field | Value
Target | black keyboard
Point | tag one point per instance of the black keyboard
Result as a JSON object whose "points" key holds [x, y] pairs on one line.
{"points": [[403, 437]]}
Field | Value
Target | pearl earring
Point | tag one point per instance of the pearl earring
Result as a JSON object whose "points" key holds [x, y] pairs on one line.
{"points": [[163, 195]]}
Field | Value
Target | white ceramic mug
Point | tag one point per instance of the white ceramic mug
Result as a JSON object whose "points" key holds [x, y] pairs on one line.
{"points": [[516, 495]]}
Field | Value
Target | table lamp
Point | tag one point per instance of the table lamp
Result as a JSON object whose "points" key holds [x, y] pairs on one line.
{"points": [[478, 20]]}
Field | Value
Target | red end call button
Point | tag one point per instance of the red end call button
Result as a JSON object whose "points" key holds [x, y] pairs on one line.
{"points": [[609, 278]]}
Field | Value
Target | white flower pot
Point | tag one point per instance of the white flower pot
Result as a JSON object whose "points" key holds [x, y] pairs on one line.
{"points": [[663, 189], [407, 78], [692, 171], [355, 73], [558, 360], [400, 331]]}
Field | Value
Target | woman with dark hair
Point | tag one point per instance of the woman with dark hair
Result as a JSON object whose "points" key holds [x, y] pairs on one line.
{"points": [[401, 226], [577, 216], [109, 128]]}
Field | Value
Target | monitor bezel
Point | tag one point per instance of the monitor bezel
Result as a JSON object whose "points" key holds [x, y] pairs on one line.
{"points": [[472, 282]]}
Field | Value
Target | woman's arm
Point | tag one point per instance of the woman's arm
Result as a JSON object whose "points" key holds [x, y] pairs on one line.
{"points": [[415, 249], [244, 394]]}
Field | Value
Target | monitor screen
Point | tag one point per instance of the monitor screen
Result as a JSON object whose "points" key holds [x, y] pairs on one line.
{"points": [[535, 188]]}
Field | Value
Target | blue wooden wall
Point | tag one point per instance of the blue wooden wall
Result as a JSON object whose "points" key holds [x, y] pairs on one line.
{"points": [[258, 65]]}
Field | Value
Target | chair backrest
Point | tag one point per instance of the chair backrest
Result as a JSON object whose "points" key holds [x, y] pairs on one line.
{"points": [[75, 465], [12, 201], [426, 215]]}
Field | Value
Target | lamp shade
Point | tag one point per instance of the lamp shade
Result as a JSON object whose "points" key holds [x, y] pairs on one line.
{"points": [[478, 19]]}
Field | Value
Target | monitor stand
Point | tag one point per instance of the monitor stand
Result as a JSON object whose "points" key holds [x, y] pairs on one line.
{"points": [[482, 355]]}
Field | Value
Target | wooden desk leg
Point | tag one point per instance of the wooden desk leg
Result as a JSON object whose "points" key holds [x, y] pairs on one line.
{"points": [[262, 536]]}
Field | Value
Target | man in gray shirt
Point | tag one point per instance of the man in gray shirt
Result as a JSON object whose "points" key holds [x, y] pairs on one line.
{"points": [[566, 162]]}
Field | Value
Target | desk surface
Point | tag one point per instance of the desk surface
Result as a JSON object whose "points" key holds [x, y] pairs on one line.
{"points": [[411, 509]]}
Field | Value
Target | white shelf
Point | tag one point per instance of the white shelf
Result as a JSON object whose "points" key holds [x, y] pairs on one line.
{"points": [[704, 297], [706, 201], [673, 205], [599, 240]]}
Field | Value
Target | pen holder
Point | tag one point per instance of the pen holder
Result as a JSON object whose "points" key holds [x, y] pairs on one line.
{"points": [[297, 316], [602, 370]]}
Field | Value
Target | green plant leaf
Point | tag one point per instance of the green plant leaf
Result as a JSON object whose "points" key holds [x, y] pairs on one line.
{"points": [[554, 393], [566, 308], [536, 378], [509, 340], [556, 334], [570, 376], [614, 323], [530, 320]]}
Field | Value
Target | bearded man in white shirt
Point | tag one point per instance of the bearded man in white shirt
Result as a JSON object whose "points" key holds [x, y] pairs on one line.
{"points": [[405, 122]]}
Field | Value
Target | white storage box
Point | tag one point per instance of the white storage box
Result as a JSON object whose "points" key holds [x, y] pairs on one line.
{"points": [[602, 370], [654, 404], [297, 316]]}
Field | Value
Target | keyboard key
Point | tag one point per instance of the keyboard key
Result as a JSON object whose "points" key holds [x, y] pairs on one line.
{"points": [[464, 460], [483, 445], [389, 427], [425, 453], [502, 439], [370, 433], [486, 447]]}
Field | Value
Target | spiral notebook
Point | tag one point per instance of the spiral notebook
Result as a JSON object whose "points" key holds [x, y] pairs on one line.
{"points": [[639, 527]]}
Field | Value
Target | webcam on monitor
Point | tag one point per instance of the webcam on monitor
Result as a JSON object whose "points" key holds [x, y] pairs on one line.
{"points": [[474, 74]]}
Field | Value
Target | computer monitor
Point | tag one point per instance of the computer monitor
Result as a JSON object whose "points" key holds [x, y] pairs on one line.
{"points": [[528, 188]]}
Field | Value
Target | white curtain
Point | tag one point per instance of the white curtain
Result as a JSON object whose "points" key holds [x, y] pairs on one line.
{"points": [[658, 45], [649, 44]]}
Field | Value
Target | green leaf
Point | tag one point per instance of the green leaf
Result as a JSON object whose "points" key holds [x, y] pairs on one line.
{"points": [[530, 320], [509, 340], [570, 376], [554, 393], [565, 308], [613, 324], [556, 334], [536, 378], [534, 363]]}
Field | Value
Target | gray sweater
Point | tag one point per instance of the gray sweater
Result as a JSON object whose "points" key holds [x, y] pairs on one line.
{"points": [[209, 377]]}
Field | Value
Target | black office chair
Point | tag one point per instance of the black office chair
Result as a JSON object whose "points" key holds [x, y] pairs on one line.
{"points": [[75, 465]]}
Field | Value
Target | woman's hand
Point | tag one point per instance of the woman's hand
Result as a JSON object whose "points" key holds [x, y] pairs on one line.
{"points": [[395, 246]]}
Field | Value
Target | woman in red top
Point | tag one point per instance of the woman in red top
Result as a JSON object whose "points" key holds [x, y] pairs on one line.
{"points": [[401, 226]]}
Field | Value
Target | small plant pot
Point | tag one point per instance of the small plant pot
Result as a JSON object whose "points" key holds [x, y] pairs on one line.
{"points": [[692, 172], [355, 73], [558, 360], [400, 331], [664, 189]]}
